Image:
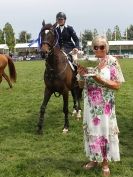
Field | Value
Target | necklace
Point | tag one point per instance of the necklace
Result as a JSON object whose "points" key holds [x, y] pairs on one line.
{"points": [[103, 62]]}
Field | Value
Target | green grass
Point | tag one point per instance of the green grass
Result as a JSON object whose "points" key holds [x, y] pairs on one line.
{"points": [[23, 153]]}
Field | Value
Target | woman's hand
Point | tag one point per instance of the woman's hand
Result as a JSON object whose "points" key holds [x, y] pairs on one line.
{"points": [[107, 83], [82, 70], [75, 50]]}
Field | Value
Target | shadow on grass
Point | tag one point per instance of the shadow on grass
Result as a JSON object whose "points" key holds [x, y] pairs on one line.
{"points": [[28, 124], [51, 167]]}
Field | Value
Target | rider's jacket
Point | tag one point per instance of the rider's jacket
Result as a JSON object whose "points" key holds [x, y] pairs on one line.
{"points": [[67, 38]]}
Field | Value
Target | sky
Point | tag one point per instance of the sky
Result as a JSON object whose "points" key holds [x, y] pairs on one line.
{"points": [[81, 14]]}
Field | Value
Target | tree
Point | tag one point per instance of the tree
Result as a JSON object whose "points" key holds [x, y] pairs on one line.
{"points": [[9, 37], [116, 34], [1, 37], [130, 32], [109, 34], [24, 37], [86, 36], [95, 33]]}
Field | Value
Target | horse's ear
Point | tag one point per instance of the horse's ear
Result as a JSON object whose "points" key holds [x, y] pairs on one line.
{"points": [[54, 25], [43, 23]]}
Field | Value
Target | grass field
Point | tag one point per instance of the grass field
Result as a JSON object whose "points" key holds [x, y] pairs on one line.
{"points": [[23, 153]]}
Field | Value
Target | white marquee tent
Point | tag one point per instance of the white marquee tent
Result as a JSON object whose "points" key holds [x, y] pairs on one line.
{"points": [[4, 48], [118, 47], [116, 43], [25, 45]]}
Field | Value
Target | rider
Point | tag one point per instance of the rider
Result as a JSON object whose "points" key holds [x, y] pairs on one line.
{"points": [[68, 40]]}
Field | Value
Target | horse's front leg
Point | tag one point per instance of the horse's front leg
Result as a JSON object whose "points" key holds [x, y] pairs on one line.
{"points": [[65, 110], [47, 95]]}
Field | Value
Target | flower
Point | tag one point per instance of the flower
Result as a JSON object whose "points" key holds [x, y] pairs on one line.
{"points": [[95, 95], [96, 121], [99, 145], [113, 73], [107, 108], [94, 148]]}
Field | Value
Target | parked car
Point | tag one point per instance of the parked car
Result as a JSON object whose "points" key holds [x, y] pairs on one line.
{"points": [[119, 56], [17, 58], [28, 58]]}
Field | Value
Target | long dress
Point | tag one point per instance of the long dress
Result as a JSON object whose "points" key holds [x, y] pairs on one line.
{"points": [[99, 120]]}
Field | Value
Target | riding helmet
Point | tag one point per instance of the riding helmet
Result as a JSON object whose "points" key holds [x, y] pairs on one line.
{"points": [[61, 15]]}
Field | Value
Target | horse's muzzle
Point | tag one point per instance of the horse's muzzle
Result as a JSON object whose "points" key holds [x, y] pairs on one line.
{"points": [[43, 54]]}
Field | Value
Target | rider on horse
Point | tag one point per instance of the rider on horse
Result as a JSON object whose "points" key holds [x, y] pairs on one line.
{"points": [[66, 35]]}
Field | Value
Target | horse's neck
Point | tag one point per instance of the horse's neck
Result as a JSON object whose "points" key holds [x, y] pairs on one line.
{"points": [[50, 61], [56, 59], [59, 55]]}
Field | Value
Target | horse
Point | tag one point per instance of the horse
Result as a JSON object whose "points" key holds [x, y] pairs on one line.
{"points": [[4, 61], [58, 76]]}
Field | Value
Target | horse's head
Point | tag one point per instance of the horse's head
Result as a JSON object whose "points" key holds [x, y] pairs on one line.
{"points": [[49, 38]]}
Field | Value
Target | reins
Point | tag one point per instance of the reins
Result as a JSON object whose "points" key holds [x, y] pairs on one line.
{"points": [[58, 74], [52, 49], [56, 42]]}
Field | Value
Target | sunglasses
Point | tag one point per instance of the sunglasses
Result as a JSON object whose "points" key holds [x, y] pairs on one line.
{"points": [[101, 47], [60, 19]]}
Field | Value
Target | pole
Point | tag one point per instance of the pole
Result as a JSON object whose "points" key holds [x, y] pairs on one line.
{"points": [[5, 37], [115, 34], [126, 33], [26, 37], [120, 50], [81, 41]]}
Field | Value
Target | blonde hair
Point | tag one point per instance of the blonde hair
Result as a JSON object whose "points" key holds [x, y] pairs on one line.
{"points": [[100, 39]]}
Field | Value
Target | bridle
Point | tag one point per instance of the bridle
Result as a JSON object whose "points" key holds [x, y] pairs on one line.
{"points": [[54, 43]]}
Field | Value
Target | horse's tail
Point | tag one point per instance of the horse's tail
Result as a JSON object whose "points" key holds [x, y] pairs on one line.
{"points": [[12, 70]]}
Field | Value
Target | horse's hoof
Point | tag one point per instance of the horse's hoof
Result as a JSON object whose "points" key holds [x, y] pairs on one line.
{"points": [[74, 113], [79, 115], [65, 130]]}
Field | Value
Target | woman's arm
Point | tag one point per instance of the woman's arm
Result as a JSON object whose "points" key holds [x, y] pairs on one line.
{"points": [[107, 83]]}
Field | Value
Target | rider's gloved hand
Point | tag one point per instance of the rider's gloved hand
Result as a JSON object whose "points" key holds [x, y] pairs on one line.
{"points": [[75, 50]]}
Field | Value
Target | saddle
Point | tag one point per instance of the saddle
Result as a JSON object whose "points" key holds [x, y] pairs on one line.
{"points": [[72, 62]]}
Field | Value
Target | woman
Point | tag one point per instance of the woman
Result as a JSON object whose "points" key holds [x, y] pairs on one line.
{"points": [[99, 123]]}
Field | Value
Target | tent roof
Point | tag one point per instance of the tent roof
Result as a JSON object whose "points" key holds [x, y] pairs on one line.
{"points": [[25, 45], [3, 46]]}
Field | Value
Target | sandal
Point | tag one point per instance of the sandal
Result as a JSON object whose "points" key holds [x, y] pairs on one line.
{"points": [[90, 165], [106, 171]]}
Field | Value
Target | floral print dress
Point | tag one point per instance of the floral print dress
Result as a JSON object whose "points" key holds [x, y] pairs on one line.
{"points": [[99, 122]]}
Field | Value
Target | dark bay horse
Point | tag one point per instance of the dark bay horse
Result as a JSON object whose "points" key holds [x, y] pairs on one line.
{"points": [[58, 76], [4, 61]]}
